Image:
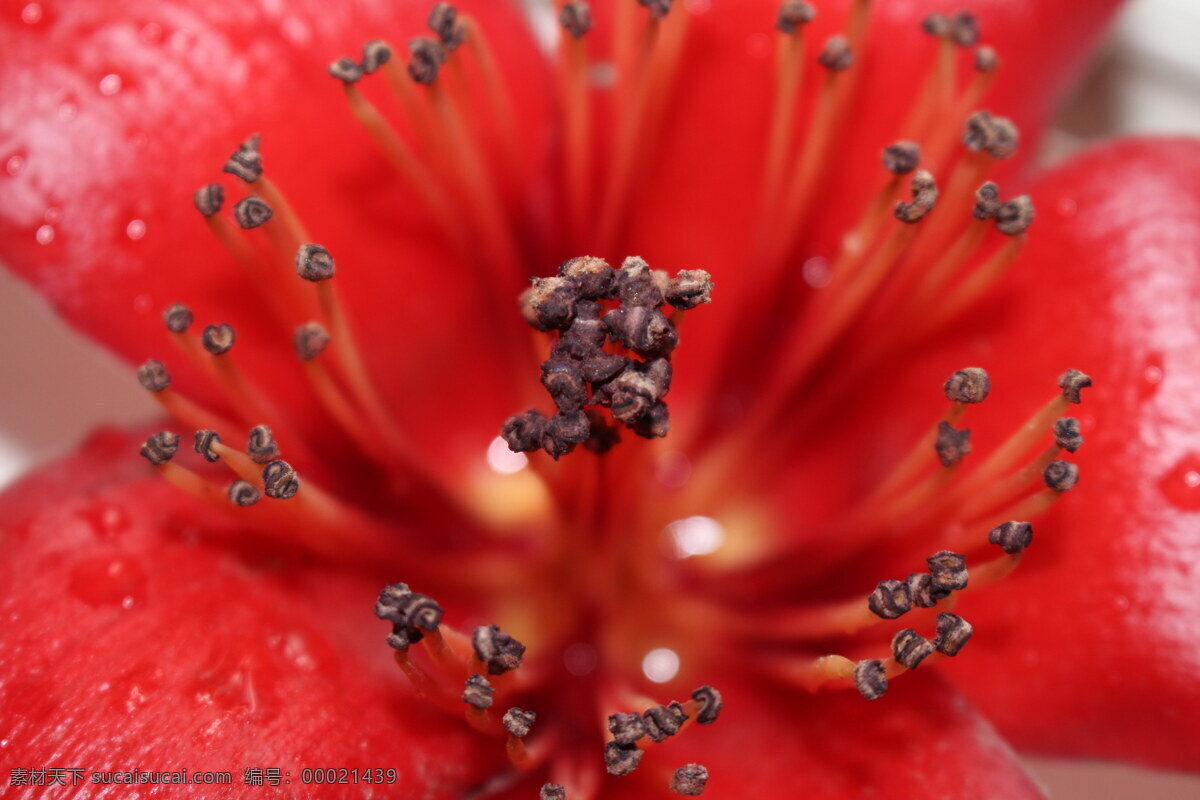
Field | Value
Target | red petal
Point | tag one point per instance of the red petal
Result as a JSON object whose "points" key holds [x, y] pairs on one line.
{"points": [[133, 643], [920, 740], [196, 78], [1092, 648]]}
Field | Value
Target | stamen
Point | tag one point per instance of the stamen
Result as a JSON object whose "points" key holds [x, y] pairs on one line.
{"points": [[964, 29], [178, 318], [663, 722], [870, 679], [375, 55], [951, 444], [262, 447], [836, 55], [153, 376], [1014, 217], [552, 791], [346, 70], [1012, 537], [444, 21], [987, 201], [690, 780], [425, 60], [997, 136], [949, 571], [789, 70], [518, 722], [620, 760], [922, 590], [969, 385], [1067, 435], [576, 19], [314, 263], [1061, 476], [205, 439], [953, 633], [891, 599], [901, 158], [626, 728], [160, 447], [242, 493], [411, 614], [925, 195], [793, 14], [710, 704], [310, 340], [218, 339], [246, 163], [659, 9], [910, 648], [497, 649], [279, 480], [209, 199], [478, 693], [1072, 383], [986, 59]]}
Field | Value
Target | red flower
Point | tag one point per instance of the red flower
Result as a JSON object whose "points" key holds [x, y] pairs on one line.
{"points": [[150, 630]]}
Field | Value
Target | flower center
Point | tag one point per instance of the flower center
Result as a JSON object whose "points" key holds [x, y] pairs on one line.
{"points": [[628, 569]]}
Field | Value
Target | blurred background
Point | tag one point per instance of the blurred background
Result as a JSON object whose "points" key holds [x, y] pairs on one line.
{"points": [[1147, 80]]}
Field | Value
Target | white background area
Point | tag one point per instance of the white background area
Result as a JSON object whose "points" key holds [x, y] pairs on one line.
{"points": [[56, 386]]}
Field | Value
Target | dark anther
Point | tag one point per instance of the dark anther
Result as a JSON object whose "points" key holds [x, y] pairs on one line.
{"points": [[869, 679], [920, 586], [987, 201], [658, 8], [1061, 476], [1012, 537], [445, 22], [497, 649], [936, 25], [663, 722], [951, 444], [710, 704], [262, 446], [346, 70], [564, 383], [565, 430], [252, 211], [1072, 382], [949, 571], [246, 163], [279, 480], [626, 728], [549, 304], [690, 780], [409, 612], [205, 439], [644, 330], [620, 760], [1014, 217], [986, 59], [160, 447], [655, 424], [576, 18], [964, 29], [594, 278], [901, 158], [638, 285], [478, 692], [953, 632], [313, 263], [310, 340], [925, 194], [836, 55], [375, 55], [637, 390], [890, 599], [517, 721], [603, 366], [793, 14], [995, 135], [209, 199], [552, 791], [243, 494], [689, 288], [523, 432], [910, 648], [968, 385], [218, 339], [1067, 435], [425, 59], [153, 376], [178, 317]]}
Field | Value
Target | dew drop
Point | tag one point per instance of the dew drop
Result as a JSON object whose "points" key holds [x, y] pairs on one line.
{"points": [[136, 229], [45, 234], [815, 272], [660, 665], [31, 14], [14, 166], [1152, 376], [1181, 486], [108, 580], [106, 521], [110, 84]]}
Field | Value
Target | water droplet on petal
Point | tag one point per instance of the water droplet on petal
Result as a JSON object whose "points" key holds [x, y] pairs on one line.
{"points": [[15, 165], [136, 229], [815, 272], [110, 84], [1152, 376], [104, 580], [45, 234], [660, 665], [31, 14], [1181, 486]]}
